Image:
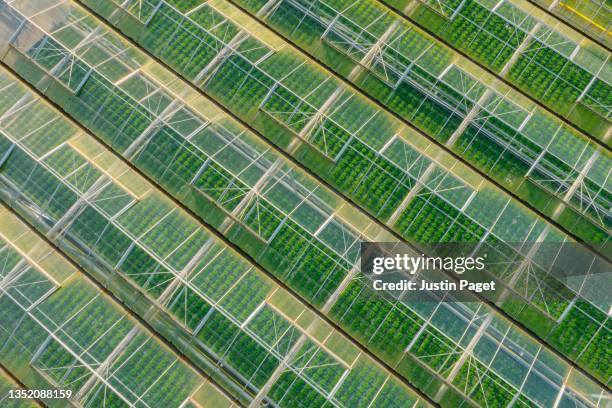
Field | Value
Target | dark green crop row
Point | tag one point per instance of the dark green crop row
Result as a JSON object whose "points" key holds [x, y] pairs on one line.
{"points": [[484, 35], [555, 80]]}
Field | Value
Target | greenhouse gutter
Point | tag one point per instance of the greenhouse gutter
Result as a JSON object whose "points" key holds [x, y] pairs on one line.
{"points": [[216, 234]]}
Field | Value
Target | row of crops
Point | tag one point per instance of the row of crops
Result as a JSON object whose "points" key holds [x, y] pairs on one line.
{"points": [[537, 53], [493, 128], [564, 177], [453, 205], [427, 327], [231, 316], [58, 331]]}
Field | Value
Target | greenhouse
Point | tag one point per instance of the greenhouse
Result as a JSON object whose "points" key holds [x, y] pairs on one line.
{"points": [[186, 187]]}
